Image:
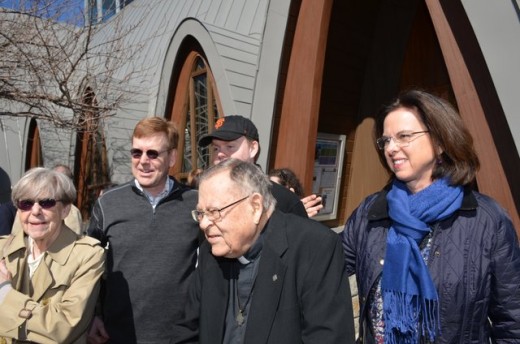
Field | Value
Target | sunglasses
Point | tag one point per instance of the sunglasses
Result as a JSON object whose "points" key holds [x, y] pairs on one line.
{"points": [[137, 153], [27, 204]]}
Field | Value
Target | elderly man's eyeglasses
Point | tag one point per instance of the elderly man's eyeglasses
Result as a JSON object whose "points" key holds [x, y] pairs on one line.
{"points": [[402, 139], [212, 214], [27, 204], [136, 153]]}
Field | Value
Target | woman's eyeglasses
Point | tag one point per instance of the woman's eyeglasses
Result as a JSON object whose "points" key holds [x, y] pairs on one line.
{"points": [[137, 153], [402, 139], [27, 204]]}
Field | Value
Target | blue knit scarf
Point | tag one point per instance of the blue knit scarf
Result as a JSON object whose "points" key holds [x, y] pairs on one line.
{"points": [[409, 295]]}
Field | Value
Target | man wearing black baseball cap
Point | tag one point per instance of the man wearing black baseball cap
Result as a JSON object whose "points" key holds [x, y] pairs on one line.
{"points": [[230, 128], [237, 137]]}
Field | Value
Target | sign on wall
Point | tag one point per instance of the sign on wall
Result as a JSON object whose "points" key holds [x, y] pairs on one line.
{"points": [[328, 166]]}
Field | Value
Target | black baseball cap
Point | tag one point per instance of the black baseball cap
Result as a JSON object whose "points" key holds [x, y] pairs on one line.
{"points": [[230, 128]]}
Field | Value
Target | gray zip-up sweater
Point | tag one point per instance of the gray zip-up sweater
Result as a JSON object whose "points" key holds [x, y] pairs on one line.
{"points": [[151, 254]]}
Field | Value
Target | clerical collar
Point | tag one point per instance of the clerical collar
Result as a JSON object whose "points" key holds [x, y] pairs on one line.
{"points": [[243, 260], [253, 252]]}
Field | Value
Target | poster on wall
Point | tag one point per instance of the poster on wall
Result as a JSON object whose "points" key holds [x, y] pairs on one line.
{"points": [[328, 166]]}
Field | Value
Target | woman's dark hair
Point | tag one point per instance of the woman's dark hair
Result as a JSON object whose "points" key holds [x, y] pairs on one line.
{"points": [[288, 179], [458, 161]]}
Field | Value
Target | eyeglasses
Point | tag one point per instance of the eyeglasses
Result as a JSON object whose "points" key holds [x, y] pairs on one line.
{"points": [[27, 204], [136, 153], [403, 139], [212, 214]]}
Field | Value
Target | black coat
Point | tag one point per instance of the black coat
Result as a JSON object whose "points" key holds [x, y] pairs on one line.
{"points": [[474, 263], [301, 290], [7, 216], [287, 201]]}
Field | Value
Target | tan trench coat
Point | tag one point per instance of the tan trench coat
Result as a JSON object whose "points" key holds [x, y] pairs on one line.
{"points": [[66, 286]]}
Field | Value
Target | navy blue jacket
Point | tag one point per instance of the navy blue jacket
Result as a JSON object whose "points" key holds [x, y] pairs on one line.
{"points": [[474, 263]]}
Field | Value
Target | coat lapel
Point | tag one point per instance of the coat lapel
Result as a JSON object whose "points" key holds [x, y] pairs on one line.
{"points": [[58, 253], [42, 279], [216, 296], [269, 282]]}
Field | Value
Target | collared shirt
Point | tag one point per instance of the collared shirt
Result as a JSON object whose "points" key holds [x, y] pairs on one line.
{"points": [[33, 262], [168, 186]]}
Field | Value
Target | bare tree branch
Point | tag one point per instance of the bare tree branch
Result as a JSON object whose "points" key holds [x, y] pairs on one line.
{"points": [[63, 72]]}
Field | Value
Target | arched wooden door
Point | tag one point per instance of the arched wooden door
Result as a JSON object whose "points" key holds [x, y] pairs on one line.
{"points": [[195, 106]]}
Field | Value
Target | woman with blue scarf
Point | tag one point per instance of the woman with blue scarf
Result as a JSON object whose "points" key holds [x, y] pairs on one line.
{"points": [[435, 261]]}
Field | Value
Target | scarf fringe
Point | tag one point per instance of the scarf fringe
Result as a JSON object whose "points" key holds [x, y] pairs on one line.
{"points": [[404, 312]]}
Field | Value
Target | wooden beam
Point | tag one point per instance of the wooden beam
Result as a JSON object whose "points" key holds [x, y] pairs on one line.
{"points": [[301, 100], [491, 178]]}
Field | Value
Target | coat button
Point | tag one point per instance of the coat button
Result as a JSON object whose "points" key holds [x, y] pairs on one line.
{"points": [[437, 254], [382, 262]]}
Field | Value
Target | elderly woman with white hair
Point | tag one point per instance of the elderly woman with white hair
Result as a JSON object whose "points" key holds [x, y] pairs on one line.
{"points": [[49, 275]]}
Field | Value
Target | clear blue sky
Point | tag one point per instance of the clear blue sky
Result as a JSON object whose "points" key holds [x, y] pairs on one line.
{"points": [[69, 9]]}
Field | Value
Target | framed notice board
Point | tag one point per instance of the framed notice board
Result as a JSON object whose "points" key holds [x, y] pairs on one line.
{"points": [[328, 166]]}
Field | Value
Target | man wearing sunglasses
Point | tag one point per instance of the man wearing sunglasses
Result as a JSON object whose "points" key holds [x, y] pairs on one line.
{"points": [[151, 240]]}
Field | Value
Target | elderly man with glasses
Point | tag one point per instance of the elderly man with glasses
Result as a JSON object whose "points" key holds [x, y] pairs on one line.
{"points": [[237, 137], [264, 276], [151, 241]]}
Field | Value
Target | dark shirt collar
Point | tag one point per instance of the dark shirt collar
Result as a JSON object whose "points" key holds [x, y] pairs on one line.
{"points": [[254, 251]]}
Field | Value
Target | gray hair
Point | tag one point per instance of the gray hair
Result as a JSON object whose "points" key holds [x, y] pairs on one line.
{"points": [[247, 176], [64, 169], [42, 182]]}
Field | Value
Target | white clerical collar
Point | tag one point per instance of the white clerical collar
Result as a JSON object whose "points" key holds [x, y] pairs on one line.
{"points": [[243, 260]]}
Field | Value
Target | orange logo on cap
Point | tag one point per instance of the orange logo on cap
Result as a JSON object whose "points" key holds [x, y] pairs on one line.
{"points": [[219, 122]]}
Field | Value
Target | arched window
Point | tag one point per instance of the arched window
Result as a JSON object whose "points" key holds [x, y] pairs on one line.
{"points": [[34, 157], [194, 110], [91, 163]]}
